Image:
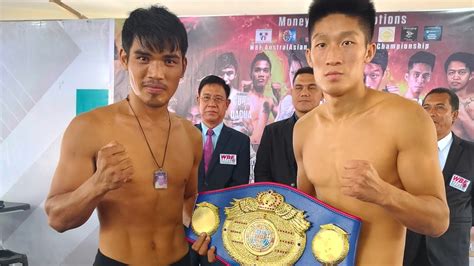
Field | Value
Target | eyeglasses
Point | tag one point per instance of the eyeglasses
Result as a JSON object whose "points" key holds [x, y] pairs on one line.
{"points": [[208, 98]]}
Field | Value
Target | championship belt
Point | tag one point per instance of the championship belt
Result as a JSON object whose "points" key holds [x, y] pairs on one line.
{"points": [[274, 224]]}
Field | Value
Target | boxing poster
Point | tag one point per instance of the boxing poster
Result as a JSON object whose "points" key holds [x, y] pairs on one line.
{"points": [[416, 52], [258, 56]]}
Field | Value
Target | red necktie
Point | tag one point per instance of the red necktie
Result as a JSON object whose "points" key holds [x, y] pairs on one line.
{"points": [[208, 149]]}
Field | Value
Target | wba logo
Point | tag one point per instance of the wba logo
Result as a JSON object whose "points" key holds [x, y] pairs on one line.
{"points": [[228, 159], [459, 183]]}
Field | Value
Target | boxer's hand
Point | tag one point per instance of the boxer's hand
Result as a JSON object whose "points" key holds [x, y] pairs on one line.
{"points": [[360, 180], [201, 246], [114, 167]]}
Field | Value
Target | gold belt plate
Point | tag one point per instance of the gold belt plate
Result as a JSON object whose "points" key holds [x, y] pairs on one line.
{"points": [[264, 230], [330, 245]]}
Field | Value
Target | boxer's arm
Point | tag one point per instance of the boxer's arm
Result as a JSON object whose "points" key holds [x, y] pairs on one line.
{"points": [[422, 207], [191, 190], [302, 181], [73, 195]]}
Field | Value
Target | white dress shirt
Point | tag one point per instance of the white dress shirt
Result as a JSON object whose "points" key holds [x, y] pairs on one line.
{"points": [[444, 145]]}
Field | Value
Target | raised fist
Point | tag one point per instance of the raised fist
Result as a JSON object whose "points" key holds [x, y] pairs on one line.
{"points": [[114, 167]]}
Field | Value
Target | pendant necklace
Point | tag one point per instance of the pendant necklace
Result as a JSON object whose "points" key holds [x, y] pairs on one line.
{"points": [[160, 177]]}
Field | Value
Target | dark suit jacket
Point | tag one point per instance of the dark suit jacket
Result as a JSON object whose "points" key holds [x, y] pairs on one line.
{"points": [[219, 175], [452, 248], [275, 157]]}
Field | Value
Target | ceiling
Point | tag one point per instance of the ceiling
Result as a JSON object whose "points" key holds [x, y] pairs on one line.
{"points": [[46, 9]]}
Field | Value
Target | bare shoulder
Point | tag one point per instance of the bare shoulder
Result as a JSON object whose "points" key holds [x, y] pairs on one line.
{"points": [[94, 117], [398, 107], [311, 119], [191, 131], [405, 118], [81, 142], [305, 126], [85, 130]]}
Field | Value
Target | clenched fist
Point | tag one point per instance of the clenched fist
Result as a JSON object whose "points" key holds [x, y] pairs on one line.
{"points": [[114, 167], [360, 180]]}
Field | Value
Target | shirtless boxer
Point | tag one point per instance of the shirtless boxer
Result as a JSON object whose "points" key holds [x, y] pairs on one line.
{"points": [[371, 154], [133, 160], [260, 105]]}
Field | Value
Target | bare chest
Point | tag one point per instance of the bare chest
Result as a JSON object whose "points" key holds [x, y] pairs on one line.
{"points": [[174, 158], [328, 147]]}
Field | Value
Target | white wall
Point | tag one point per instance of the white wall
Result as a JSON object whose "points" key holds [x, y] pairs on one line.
{"points": [[42, 64]]}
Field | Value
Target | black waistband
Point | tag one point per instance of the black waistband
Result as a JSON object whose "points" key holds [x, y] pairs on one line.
{"points": [[102, 260]]}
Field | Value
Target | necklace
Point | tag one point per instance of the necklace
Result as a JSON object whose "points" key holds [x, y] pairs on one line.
{"points": [[160, 177]]}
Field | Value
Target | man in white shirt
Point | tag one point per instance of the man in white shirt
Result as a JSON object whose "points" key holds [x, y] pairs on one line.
{"points": [[456, 157]]}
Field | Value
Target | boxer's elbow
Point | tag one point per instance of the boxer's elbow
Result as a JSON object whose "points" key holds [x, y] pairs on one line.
{"points": [[61, 224], [56, 223], [57, 226], [439, 230], [55, 218], [440, 224]]}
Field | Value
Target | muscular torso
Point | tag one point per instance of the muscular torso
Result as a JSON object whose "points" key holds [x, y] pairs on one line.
{"points": [[369, 136], [141, 225]]}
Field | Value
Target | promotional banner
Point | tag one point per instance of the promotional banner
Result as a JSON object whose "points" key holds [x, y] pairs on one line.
{"points": [[258, 56], [416, 52]]}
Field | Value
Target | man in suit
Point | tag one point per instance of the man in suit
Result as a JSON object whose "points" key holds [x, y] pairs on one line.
{"points": [[226, 151], [275, 158], [226, 160], [456, 158]]}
